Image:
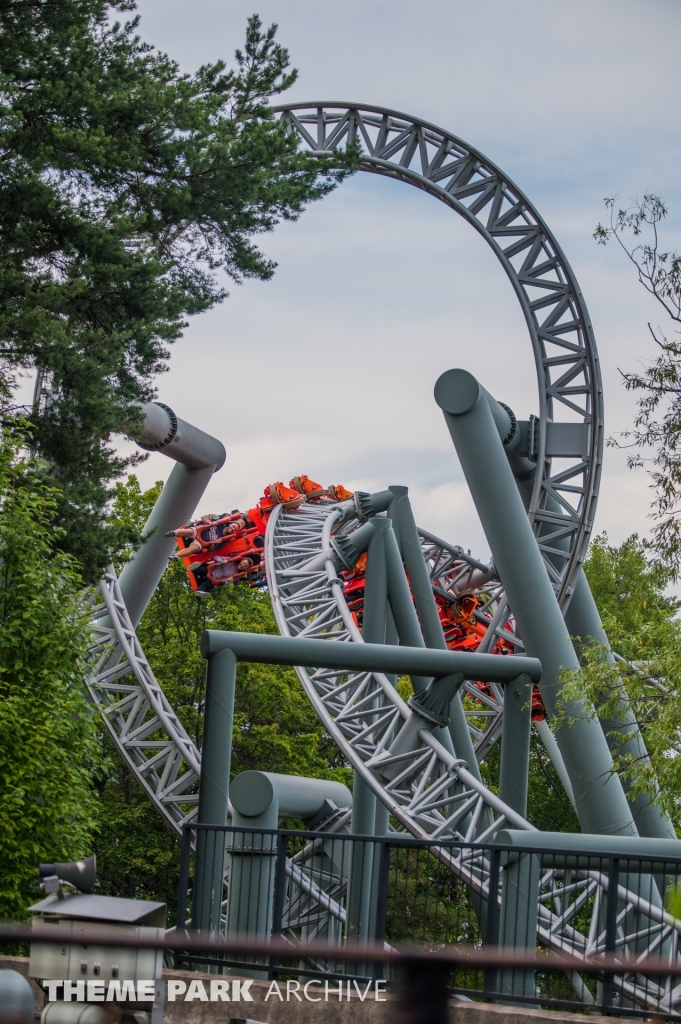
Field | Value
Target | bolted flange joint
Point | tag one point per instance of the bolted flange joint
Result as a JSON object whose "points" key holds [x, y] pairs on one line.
{"points": [[369, 505], [434, 703], [350, 549]]}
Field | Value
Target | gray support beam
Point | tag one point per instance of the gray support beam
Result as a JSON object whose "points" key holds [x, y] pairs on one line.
{"points": [[251, 878], [379, 627], [284, 650], [585, 627], [421, 588], [515, 744], [601, 804], [364, 803], [361, 865], [255, 794], [198, 456], [401, 604], [259, 800], [141, 575], [216, 757], [375, 612], [549, 740], [552, 843], [419, 580], [518, 920], [621, 731]]}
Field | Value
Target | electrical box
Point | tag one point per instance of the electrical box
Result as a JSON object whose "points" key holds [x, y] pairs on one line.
{"points": [[76, 959]]}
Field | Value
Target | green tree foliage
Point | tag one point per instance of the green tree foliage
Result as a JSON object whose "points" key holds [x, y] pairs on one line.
{"points": [[548, 806], [629, 586], [275, 728], [656, 434], [640, 620], [129, 190], [48, 807]]}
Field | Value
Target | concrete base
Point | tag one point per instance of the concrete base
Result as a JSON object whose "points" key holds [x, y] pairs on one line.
{"points": [[333, 1011]]}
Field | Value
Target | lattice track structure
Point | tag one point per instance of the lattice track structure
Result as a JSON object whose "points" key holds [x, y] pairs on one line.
{"points": [[434, 796], [413, 151], [164, 758], [136, 712]]}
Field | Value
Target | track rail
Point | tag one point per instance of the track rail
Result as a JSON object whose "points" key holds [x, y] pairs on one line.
{"points": [[411, 150]]}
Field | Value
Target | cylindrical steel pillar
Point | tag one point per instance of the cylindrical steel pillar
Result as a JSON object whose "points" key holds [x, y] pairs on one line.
{"points": [[518, 922], [421, 588], [198, 456], [515, 744], [401, 604], [364, 803], [216, 757], [141, 575], [409, 631], [259, 800], [601, 804], [585, 626]]}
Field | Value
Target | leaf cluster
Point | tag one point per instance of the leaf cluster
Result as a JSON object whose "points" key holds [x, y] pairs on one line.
{"points": [[657, 425], [49, 751]]}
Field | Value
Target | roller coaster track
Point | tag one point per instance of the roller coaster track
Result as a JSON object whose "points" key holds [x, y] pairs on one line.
{"points": [[433, 794], [568, 455]]}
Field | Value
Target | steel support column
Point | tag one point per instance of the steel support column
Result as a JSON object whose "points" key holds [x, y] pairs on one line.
{"points": [[198, 456], [518, 922], [601, 804], [621, 731], [585, 627], [216, 757], [408, 628], [401, 605], [259, 800], [364, 803], [515, 744], [422, 590]]}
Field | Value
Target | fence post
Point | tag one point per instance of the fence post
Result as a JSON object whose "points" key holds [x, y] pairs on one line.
{"points": [[423, 995], [381, 896], [183, 882], [216, 757], [610, 932], [490, 982], [279, 897]]}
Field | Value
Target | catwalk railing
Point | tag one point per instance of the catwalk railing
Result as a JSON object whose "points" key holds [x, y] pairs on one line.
{"points": [[307, 889]]}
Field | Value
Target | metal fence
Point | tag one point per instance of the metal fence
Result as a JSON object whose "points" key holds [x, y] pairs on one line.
{"points": [[397, 891]]}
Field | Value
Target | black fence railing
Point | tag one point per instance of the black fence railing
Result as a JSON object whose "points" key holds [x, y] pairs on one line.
{"points": [[394, 891]]}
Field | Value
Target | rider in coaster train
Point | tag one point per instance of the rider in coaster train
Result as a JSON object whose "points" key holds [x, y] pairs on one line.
{"points": [[225, 569], [209, 532], [227, 548]]}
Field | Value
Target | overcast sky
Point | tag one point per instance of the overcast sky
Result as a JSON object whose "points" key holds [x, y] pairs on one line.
{"points": [[329, 368]]}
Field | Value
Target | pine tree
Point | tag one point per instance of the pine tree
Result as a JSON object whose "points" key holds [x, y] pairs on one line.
{"points": [[128, 191]]}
